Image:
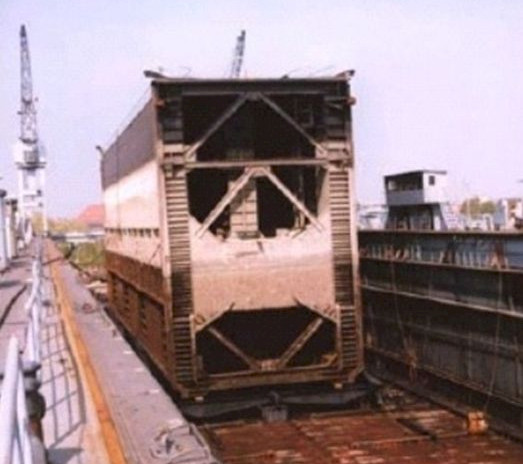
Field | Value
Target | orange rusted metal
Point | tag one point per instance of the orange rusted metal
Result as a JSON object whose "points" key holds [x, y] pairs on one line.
{"points": [[416, 435]]}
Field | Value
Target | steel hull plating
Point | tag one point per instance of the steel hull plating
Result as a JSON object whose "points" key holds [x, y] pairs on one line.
{"points": [[444, 312]]}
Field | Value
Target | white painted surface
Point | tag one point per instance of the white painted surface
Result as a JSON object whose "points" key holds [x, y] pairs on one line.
{"points": [[146, 249], [431, 192], [283, 271], [133, 202]]}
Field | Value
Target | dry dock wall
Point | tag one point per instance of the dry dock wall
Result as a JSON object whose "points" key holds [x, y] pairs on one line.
{"points": [[444, 311]]}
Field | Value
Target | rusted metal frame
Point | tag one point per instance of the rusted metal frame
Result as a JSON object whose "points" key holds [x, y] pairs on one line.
{"points": [[240, 183], [190, 154], [462, 341], [251, 362], [137, 284], [435, 397], [291, 197], [330, 316], [328, 86], [444, 375], [234, 190], [312, 162], [200, 323], [320, 372], [299, 343], [440, 233], [410, 439], [440, 265], [444, 301], [275, 107], [234, 91], [356, 274]]}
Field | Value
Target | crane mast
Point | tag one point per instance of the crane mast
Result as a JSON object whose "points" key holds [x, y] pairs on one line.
{"points": [[237, 59], [28, 131], [29, 155]]}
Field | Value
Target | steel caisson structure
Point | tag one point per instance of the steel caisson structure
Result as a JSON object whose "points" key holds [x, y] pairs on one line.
{"points": [[258, 170], [29, 153]]}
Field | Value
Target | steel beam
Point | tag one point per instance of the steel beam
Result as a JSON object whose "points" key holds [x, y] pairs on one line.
{"points": [[291, 197], [248, 360], [299, 342]]}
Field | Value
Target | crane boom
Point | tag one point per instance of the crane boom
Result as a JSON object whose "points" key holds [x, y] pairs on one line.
{"points": [[237, 60], [28, 128], [29, 152]]}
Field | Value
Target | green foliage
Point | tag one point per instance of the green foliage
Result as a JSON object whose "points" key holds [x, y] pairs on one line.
{"points": [[64, 225], [57, 225], [85, 255], [475, 207]]}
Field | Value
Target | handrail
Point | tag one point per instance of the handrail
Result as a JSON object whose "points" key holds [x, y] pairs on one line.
{"points": [[17, 441], [33, 307]]}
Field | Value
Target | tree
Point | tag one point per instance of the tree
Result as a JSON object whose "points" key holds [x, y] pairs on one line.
{"points": [[475, 207]]}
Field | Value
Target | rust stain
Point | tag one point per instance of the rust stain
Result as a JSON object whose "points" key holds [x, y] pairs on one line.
{"points": [[429, 435]]}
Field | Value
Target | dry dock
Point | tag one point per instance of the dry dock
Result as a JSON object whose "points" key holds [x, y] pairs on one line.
{"points": [[143, 417]]}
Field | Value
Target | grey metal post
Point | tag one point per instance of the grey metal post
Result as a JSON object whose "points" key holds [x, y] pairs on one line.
{"points": [[36, 404], [32, 364], [13, 413], [4, 261], [11, 224]]}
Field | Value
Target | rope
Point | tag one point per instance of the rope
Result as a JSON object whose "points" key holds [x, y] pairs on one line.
{"points": [[496, 344], [406, 348]]}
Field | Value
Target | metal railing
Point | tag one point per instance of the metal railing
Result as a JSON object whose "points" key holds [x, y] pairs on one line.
{"points": [[15, 435], [33, 307], [21, 405]]}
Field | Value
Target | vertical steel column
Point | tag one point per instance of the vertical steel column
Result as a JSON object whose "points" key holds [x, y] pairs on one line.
{"points": [[4, 260], [177, 210], [10, 222], [14, 430]]}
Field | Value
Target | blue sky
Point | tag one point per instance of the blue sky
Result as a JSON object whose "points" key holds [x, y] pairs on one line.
{"points": [[439, 84]]}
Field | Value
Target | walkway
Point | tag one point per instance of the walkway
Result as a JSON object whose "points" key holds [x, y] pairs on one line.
{"points": [[70, 423]]}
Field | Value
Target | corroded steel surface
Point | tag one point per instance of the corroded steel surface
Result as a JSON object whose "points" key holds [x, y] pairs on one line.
{"points": [[230, 216], [426, 435], [444, 312]]}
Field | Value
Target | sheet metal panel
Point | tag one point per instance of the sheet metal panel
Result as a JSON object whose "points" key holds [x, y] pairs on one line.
{"points": [[132, 148], [449, 308]]}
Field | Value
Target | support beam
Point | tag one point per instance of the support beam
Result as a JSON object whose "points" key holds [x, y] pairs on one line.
{"points": [[190, 154], [231, 164], [275, 107], [291, 197], [234, 189], [444, 301], [240, 183], [299, 342], [251, 362]]}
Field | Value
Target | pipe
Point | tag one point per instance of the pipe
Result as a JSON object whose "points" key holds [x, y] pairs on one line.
{"points": [[4, 261]]}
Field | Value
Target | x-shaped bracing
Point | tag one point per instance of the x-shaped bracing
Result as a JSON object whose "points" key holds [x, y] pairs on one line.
{"points": [[236, 187]]}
